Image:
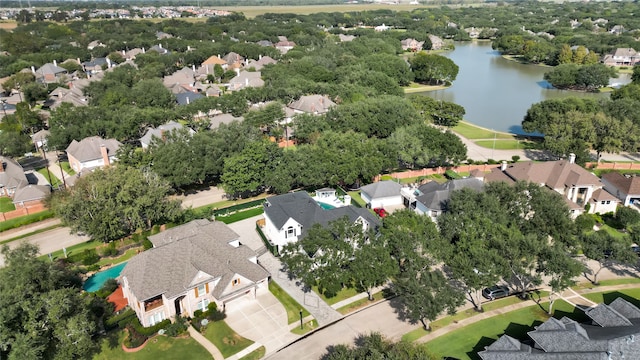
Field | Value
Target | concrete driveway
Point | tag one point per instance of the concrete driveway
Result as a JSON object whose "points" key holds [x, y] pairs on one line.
{"points": [[263, 320]]}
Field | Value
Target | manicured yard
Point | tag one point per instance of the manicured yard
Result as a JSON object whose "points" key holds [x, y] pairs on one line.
{"points": [[241, 215], [358, 304], [473, 132], [225, 339], [53, 180], [122, 258], [67, 168], [255, 354], [343, 294], [290, 304], [356, 198], [631, 295], [228, 203], [75, 249], [160, 347], [306, 327], [25, 220], [6, 204], [502, 144]]}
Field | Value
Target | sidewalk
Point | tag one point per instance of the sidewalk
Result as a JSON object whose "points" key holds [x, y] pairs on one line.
{"points": [[574, 298], [212, 349]]}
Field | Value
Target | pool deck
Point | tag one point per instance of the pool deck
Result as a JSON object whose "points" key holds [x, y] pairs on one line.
{"points": [[335, 202]]}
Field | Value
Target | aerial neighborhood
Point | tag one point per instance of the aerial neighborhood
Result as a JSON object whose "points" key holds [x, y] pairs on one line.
{"points": [[190, 181]]}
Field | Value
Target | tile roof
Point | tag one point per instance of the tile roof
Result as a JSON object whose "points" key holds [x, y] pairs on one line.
{"points": [[181, 253], [304, 210], [89, 148], [382, 189]]}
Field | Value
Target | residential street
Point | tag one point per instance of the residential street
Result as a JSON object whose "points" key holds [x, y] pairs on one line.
{"points": [[50, 241]]}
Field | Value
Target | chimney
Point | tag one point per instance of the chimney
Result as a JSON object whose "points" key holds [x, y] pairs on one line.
{"points": [[188, 100], [55, 63], [124, 53], [572, 158], [503, 166], [33, 70], [105, 155], [108, 63], [218, 56], [193, 68], [188, 48], [78, 60], [238, 71], [160, 46], [163, 135], [246, 82], [259, 57], [144, 51]]}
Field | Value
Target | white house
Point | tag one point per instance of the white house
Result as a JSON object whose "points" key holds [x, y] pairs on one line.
{"points": [[381, 194], [431, 199], [189, 267], [289, 216], [92, 152], [626, 188]]}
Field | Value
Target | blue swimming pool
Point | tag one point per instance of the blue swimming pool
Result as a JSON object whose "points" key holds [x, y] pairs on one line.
{"points": [[95, 282], [326, 206]]}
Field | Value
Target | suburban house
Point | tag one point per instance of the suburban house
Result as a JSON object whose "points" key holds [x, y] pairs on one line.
{"points": [[189, 267], [612, 334], [96, 65], [284, 46], [11, 176], [289, 216], [436, 42], [381, 194], [187, 97], [622, 57], [245, 79], [432, 198], [183, 76], [411, 45], [92, 152], [216, 120], [312, 104], [49, 73], [260, 63], [161, 132], [233, 60], [626, 188], [30, 195], [39, 139], [346, 38], [212, 61], [565, 177]]}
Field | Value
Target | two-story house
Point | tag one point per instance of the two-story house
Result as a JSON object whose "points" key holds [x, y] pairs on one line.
{"points": [[189, 267], [92, 152]]}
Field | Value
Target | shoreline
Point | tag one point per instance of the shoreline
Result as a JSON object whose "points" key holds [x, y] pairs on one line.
{"points": [[423, 88]]}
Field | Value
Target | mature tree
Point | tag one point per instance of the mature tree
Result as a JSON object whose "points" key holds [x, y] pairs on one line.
{"points": [[627, 216], [112, 203], [374, 345], [268, 118], [371, 266], [421, 145], [151, 93], [606, 250], [173, 158], [437, 112], [246, 171], [635, 76], [16, 81], [44, 316], [433, 69], [565, 56]]}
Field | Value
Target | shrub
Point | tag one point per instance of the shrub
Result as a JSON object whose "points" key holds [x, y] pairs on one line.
{"points": [[147, 244], [148, 331], [491, 162], [177, 328], [90, 257], [515, 158], [134, 339], [110, 250], [94, 267], [116, 320], [627, 216], [450, 174], [585, 222]]}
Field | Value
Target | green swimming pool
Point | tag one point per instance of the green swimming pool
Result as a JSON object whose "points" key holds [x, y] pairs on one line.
{"points": [[97, 280]]}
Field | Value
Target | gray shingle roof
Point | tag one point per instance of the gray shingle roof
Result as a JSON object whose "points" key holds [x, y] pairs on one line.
{"points": [[12, 174], [158, 132], [89, 148], [186, 98], [182, 252], [31, 192], [313, 104], [382, 189], [304, 210], [435, 196]]}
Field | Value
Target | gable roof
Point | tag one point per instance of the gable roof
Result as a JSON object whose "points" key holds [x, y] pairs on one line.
{"points": [[160, 130], [50, 69], [12, 174], [382, 189], [232, 57], [215, 121], [313, 104], [260, 63], [213, 60], [89, 148], [300, 207], [553, 174], [629, 185], [248, 79], [435, 196], [183, 252], [187, 97], [31, 192]]}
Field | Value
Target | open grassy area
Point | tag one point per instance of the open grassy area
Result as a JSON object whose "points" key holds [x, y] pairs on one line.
{"points": [[241, 215], [473, 132], [160, 347], [6, 204], [53, 180], [343, 294], [503, 144], [225, 339], [255, 354], [447, 320], [290, 304], [620, 281], [25, 220], [356, 198], [359, 304], [416, 88], [631, 295], [122, 258], [227, 203]]}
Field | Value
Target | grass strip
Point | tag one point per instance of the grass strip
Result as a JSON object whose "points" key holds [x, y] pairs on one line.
{"points": [[290, 304], [25, 220]]}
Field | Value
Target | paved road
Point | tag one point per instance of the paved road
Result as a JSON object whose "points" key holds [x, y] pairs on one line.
{"points": [[50, 241]]}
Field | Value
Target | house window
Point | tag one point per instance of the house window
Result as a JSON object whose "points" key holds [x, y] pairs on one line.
{"points": [[291, 232], [156, 318], [201, 290], [602, 202], [202, 305], [608, 202], [236, 282]]}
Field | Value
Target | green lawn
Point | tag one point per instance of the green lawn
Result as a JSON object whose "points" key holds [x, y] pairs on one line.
{"points": [[343, 294], [228, 203], [53, 180], [358, 304], [75, 249], [504, 144], [256, 354], [225, 339], [306, 327], [473, 132], [241, 215], [122, 258], [67, 168], [631, 295], [356, 198], [25, 220], [290, 304], [613, 232], [6, 204], [160, 347]]}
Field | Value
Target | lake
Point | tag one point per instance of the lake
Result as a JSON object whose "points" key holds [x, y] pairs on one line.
{"points": [[496, 93]]}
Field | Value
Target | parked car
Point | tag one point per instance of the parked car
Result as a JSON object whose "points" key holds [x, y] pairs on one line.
{"points": [[495, 292], [636, 249], [381, 212]]}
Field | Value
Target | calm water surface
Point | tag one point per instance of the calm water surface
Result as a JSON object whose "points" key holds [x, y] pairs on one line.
{"points": [[496, 93]]}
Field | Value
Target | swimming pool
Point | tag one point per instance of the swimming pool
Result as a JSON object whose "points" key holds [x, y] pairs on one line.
{"points": [[95, 281], [326, 206]]}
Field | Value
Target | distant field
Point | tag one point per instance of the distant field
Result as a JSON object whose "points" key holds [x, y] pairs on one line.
{"points": [[8, 25], [253, 11]]}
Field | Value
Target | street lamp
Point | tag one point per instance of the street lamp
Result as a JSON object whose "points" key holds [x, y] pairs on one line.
{"points": [[301, 328]]}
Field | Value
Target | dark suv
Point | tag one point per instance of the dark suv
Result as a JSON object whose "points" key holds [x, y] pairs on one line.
{"points": [[495, 292]]}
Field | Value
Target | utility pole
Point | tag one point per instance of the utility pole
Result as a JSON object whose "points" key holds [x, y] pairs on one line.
{"points": [[64, 182], [46, 162]]}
